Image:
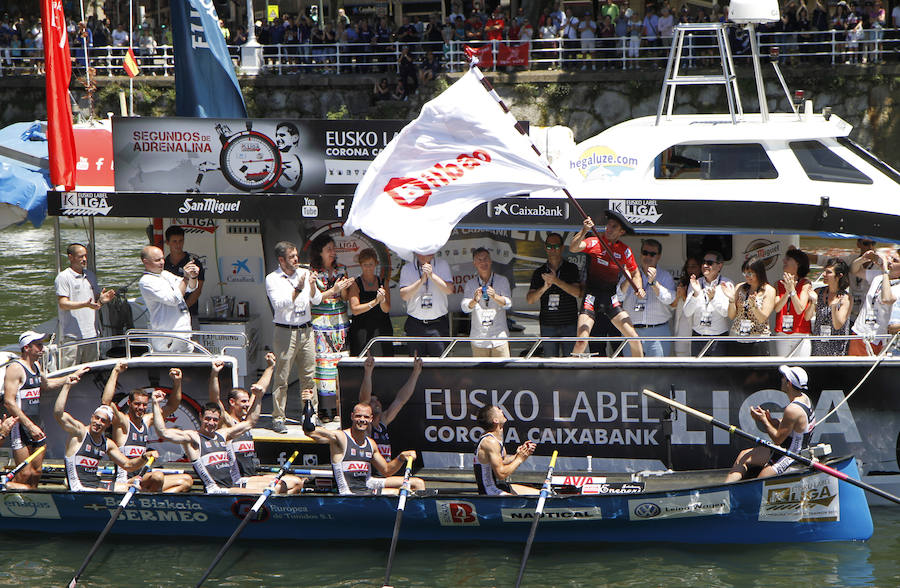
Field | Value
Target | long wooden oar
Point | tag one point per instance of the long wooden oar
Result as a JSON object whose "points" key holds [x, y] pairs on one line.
{"points": [[767, 443], [125, 500], [538, 512], [7, 478], [251, 514], [404, 490]]}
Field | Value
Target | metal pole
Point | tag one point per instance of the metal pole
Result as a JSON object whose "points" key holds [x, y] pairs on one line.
{"points": [[130, 48], [757, 73], [87, 61]]}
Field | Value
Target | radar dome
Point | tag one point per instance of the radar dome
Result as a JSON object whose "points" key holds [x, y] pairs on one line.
{"points": [[756, 11]]}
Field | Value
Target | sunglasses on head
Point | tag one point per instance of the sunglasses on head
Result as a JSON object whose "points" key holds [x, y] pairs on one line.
{"points": [[649, 253]]}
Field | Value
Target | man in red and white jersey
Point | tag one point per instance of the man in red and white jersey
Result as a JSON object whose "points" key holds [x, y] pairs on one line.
{"points": [[131, 430], [353, 454], [603, 277]]}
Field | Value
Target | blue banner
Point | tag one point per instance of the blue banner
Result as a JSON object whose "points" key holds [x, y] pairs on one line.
{"points": [[205, 84]]}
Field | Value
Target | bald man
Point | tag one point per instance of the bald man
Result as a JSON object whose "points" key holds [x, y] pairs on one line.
{"points": [[164, 293]]}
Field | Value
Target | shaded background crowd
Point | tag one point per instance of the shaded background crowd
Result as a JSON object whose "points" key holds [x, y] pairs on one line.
{"points": [[582, 34]]}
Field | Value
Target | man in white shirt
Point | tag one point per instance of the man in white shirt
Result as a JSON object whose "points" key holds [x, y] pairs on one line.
{"points": [[875, 315], [163, 293], [78, 297], [424, 285], [291, 290], [707, 304], [486, 298], [651, 313]]}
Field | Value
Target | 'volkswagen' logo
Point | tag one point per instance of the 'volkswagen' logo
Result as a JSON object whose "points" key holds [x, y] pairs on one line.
{"points": [[646, 510]]}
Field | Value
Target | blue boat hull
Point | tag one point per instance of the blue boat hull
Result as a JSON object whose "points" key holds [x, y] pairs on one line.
{"points": [[803, 507]]}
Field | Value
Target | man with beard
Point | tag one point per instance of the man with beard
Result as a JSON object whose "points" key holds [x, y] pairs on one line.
{"points": [[241, 448], [131, 431], [87, 445], [353, 453]]}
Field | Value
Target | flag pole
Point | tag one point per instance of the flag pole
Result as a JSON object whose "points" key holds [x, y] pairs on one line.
{"points": [[490, 90], [87, 59], [131, 49]]}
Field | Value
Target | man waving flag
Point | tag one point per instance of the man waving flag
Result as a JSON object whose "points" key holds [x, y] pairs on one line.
{"points": [[463, 150]]}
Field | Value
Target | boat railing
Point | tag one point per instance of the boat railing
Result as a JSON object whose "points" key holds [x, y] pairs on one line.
{"points": [[139, 343], [530, 345]]}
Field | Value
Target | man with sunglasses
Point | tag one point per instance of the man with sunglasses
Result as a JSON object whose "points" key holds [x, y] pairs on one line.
{"points": [[707, 304], [603, 267], [557, 284], [23, 385], [651, 313]]}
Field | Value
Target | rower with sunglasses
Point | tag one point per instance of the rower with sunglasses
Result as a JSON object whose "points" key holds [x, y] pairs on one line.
{"points": [[707, 304], [558, 286], [650, 314]]}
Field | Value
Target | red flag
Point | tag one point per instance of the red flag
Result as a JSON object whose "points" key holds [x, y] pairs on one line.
{"points": [[516, 56], [60, 136], [130, 64], [483, 53]]}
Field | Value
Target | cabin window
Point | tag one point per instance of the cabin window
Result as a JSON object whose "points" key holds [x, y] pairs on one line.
{"points": [[824, 165], [735, 161], [870, 158]]}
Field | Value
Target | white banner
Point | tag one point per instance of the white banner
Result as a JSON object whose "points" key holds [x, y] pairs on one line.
{"points": [[461, 151]]}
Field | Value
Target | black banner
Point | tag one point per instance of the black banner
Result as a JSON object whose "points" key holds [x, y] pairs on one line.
{"points": [[597, 409]]}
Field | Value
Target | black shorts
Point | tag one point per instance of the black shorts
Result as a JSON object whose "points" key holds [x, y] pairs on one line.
{"points": [[602, 300]]}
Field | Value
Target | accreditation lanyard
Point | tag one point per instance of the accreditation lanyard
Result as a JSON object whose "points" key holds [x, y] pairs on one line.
{"points": [[481, 286], [427, 301]]}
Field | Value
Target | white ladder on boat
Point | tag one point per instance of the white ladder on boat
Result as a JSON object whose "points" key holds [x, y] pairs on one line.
{"points": [[675, 78]]}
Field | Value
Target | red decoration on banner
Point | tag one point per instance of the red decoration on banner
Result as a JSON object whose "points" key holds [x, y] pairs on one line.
{"points": [[513, 55], [60, 137]]}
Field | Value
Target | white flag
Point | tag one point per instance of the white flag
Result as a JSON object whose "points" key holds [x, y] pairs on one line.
{"points": [[461, 151]]}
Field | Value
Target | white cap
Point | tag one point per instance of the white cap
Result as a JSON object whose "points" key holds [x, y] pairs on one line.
{"points": [[30, 337], [105, 411], [796, 376]]}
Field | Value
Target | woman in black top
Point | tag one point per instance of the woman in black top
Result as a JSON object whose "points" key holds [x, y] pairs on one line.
{"points": [[370, 302]]}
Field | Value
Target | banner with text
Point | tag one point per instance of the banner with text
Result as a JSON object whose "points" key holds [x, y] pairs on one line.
{"points": [[209, 155], [601, 412]]}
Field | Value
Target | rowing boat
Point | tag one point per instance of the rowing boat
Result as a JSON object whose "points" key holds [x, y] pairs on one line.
{"points": [[798, 506]]}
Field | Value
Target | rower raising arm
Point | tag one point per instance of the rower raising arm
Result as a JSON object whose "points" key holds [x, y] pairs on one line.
{"points": [[360, 474], [82, 473]]}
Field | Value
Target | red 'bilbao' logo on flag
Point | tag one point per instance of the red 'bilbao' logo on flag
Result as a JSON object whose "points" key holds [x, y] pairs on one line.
{"points": [[414, 192]]}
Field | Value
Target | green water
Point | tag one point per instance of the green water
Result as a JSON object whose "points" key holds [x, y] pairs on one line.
{"points": [[51, 561], [26, 299]]}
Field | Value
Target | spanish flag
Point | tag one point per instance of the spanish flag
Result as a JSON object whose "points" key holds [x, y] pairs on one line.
{"points": [[130, 64]]}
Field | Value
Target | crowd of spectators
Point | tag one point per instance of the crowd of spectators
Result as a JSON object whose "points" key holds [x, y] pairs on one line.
{"points": [[855, 31]]}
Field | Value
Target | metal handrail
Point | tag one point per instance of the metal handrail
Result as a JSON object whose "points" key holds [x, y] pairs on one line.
{"points": [[551, 53], [142, 337], [536, 341]]}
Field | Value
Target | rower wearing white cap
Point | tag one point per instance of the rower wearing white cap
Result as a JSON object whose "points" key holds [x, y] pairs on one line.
{"points": [[791, 432], [22, 388], [87, 445]]}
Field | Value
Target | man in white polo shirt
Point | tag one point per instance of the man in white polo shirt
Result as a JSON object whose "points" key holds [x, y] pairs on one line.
{"points": [[78, 299], [163, 293], [291, 292], [424, 285], [651, 313]]}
